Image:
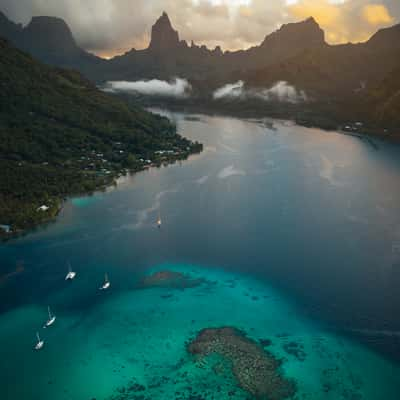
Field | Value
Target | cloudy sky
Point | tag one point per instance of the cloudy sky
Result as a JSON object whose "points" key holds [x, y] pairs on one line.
{"points": [[109, 27]]}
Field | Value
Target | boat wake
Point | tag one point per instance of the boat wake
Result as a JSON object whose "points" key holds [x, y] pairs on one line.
{"points": [[142, 216]]}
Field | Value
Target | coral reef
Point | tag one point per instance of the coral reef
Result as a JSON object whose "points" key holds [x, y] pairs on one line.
{"points": [[133, 391], [265, 342], [256, 370], [170, 279], [295, 349]]}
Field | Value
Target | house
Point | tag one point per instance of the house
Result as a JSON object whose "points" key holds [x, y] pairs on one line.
{"points": [[5, 228]]}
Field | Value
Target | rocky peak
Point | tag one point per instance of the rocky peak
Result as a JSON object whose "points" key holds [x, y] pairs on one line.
{"points": [[51, 32], [51, 25], [218, 51], [9, 29], [163, 35], [311, 21], [306, 33], [386, 38]]}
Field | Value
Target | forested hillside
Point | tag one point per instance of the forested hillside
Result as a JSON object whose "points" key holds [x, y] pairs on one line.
{"points": [[60, 135]]}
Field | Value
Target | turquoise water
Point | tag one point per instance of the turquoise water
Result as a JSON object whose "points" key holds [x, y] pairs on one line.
{"points": [[295, 231], [139, 335], [85, 201]]}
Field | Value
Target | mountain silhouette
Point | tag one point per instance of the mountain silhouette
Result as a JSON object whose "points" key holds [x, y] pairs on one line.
{"points": [[346, 75]]}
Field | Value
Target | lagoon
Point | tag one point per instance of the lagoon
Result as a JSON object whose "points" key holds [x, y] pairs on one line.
{"points": [[296, 231]]}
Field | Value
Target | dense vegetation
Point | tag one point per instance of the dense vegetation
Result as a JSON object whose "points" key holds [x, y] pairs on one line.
{"points": [[60, 135], [385, 100]]}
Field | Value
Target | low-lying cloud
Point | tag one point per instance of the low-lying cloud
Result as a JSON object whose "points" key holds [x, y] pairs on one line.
{"points": [[281, 91], [232, 90], [175, 88]]}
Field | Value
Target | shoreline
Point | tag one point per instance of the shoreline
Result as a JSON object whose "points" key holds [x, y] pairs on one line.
{"points": [[300, 117], [54, 212], [366, 137]]}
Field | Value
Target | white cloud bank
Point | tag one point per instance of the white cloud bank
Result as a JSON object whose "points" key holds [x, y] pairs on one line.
{"points": [[232, 90], [180, 88], [175, 88], [280, 91]]}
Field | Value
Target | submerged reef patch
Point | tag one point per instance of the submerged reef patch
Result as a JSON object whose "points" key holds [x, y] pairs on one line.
{"points": [[133, 391], [295, 349], [170, 279], [265, 342], [256, 370]]}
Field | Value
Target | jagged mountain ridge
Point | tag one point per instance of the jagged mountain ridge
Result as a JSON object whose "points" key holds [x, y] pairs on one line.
{"points": [[336, 70], [297, 52], [51, 40], [169, 56], [343, 77]]}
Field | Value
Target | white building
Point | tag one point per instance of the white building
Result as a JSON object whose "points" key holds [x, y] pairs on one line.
{"points": [[5, 228]]}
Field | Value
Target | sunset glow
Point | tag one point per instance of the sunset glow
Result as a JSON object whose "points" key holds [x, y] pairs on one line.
{"points": [[108, 28], [200, 199]]}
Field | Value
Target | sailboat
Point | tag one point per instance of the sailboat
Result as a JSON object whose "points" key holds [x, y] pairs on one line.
{"points": [[71, 274], [40, 343], [159, 222], [51, 320], [106, 283]]}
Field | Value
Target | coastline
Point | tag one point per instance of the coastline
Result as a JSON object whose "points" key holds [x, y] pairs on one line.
{"points": [[326, 119], [367, 135], [111, 179], [54, 211]]}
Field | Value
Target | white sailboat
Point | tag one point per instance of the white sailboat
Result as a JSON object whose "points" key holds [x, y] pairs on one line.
{"points": [[51, 320], [40, 343], [159, 222], [71, 274], [106, 283]]}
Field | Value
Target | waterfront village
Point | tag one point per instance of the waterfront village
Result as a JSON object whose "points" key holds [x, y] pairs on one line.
{"points": [[101, 168]]}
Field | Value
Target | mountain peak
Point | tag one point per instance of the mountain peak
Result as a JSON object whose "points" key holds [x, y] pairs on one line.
{"points": [[163, 35], [386, 37], [50, 29], [45, 22], [305, 33], [8, 29], [50, 35], [311, 20]]}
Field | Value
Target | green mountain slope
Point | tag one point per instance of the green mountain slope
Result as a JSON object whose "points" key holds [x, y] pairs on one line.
{"points": [[385, 100], [60, 135]]}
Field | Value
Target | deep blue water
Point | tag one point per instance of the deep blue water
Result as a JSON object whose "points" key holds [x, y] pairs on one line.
{"points": [[313, 215]]}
